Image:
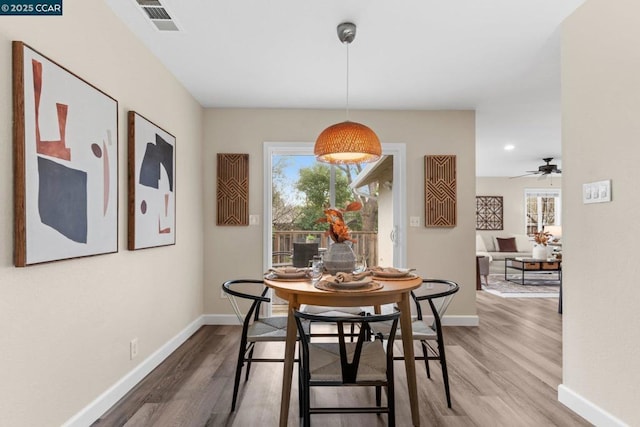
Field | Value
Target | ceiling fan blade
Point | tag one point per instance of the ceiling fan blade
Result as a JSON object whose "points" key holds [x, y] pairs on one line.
{"points": [[526, 174], [543, 171]]}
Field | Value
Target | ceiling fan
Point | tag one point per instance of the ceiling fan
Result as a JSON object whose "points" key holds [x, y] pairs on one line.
{"points": [[543, 170]]}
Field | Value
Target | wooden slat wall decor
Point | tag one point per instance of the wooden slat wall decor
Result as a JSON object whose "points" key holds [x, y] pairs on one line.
{"points": [[233, 189], [489, 213], [440, 191]]}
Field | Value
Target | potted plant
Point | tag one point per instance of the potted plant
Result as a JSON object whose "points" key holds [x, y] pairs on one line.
{"points": [[540, 249], [339, 256]]}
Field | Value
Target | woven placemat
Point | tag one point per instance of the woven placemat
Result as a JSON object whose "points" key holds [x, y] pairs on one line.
{"points": [[328, 286], [409, 276]]}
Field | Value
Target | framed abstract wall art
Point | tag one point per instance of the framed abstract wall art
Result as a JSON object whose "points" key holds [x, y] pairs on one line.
{"points": [[152, 184], [65, 163], [489, 213]]}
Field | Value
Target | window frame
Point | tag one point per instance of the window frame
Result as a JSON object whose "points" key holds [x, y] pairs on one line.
{"points": [[541, 193]]}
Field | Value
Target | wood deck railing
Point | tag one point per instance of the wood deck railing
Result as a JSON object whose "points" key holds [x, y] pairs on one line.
{"points": [[282, 243]]}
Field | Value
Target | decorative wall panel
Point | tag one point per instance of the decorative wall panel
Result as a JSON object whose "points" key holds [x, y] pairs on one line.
{"points": [[489, 213], [440, 191], [233, 189]]}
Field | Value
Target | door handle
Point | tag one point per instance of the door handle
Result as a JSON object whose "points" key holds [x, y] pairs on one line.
{"points": [[393, 236]]}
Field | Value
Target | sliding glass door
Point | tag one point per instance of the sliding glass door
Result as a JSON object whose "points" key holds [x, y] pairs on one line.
{"points": [[297, 189]]}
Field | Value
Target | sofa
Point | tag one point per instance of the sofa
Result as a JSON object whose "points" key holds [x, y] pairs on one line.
{"points": [[498, 247]]}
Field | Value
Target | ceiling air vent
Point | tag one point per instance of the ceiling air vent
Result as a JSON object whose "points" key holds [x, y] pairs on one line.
{"points": [[158, 15]]}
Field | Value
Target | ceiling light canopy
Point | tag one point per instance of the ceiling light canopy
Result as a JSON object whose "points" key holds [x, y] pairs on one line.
{"points": [[347, 142]]}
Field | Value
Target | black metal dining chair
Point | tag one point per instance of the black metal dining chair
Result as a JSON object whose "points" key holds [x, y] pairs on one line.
{"points": [[303, 253], [439, 294], [332, 363], [281, 258], [255, 328], [321, 310]]}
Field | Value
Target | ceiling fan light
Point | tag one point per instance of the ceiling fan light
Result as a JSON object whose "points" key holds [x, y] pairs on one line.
{"points": [[347, 143]]}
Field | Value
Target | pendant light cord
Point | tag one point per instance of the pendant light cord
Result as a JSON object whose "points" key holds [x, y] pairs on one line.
{"points": [[347, 80], [347, 142]]}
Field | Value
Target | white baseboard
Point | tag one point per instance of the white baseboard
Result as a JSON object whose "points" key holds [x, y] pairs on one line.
{"points": [[455, 320], [586, 409], [230, 319], [220, 319], [111, 396]]}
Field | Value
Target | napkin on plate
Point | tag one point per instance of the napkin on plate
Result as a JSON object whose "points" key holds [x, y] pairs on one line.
{"points": [[285, 270], [348, 277], [391, 270]]}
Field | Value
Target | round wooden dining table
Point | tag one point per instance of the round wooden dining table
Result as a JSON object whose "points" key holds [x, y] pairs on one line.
{"points": [[301, 292]]}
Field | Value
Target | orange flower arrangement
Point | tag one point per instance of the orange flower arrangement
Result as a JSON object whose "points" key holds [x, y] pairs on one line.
{"points": [[338, 230], [541, 238]]}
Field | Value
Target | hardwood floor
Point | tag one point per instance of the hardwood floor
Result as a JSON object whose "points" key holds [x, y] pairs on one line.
{"points": [[503, 373]]}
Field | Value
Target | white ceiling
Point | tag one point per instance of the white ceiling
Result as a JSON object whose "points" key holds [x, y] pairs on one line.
{"points": [[499, 57]]}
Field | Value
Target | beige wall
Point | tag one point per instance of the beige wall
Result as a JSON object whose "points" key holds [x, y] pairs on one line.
{"points": [[512, 192], [234, 252], [66, 326], [601, 130]]}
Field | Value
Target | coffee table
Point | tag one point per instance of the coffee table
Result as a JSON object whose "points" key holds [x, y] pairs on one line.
{"points": [[531, 265]]}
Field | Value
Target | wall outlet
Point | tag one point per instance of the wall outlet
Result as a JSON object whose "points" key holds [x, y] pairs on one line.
{"points": [[133, 348]]}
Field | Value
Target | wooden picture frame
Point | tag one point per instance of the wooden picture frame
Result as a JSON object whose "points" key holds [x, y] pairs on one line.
{"points": [[489, 213], [152, 184], [440, 191], [65, 150], [232, 198]]}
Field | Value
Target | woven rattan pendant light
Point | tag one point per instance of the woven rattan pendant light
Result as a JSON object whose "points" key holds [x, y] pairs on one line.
{"points": [[347, 142]]}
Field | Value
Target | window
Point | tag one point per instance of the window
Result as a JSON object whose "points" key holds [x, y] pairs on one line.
{"points": [[542, 207]]}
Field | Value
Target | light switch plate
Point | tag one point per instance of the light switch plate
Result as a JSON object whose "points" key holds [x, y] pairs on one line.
{"points": [[596, 192], [414, 221], [254, 219]]}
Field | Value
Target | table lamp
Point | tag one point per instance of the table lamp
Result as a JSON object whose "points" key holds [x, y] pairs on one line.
{"points": [[554, 230]]}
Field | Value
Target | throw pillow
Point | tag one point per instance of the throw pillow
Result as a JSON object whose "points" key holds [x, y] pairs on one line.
{"points": [[507, 245]]}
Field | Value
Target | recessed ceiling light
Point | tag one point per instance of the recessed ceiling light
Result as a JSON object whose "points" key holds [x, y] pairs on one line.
{"points": [[509, 147]]}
